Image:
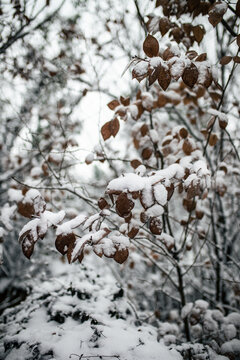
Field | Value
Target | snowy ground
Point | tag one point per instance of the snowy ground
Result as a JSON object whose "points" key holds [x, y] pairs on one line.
{"points": [[78, 313]]}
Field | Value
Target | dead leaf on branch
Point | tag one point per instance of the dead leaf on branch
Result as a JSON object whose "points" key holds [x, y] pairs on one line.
{"points": [[124, 205], [109, 129], [151, 46], [121, 256], [190, 75]]}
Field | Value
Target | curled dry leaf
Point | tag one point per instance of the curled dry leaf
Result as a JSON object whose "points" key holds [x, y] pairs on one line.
{"points": [[151, 46], [190, 75], [109, 129]]}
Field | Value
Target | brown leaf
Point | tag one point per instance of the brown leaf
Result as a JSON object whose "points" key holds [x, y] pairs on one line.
{"points": [[216, 12], [151, 46], [164, 25], [183, 132], [164, 78], [190, 75], [198, 32], [133, 232], [162, 100], [213, 139], [189, 204], [146, 153], [187, 147], [170, 190], [155, 225], [201, 57], [222, 123], [191, 54], [103, 204], [236, 59], [238, 8], [153, 76], [63, 242], [144, 129], [124, 205], [135, 163], [225, 60], [110, 128], [121, 255], [28, 246], [113, 104], [26, 209], [167, 54], [125, 101]]}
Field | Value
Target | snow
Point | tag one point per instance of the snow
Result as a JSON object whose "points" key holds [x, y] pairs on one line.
{"points": [[160, 194], [231, 347], [222, 116], [85, 301], [6, 214], [15, 195], [68, 226]]}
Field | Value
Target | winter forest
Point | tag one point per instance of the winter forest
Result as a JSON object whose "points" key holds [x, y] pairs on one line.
{"points": [[119, 179]]}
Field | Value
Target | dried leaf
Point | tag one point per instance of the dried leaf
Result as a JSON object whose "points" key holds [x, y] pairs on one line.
{"points": [[113, 104], [28, 246], [26, 209], [135, 163], [153, 76], [225, 60], [103, 204], [170, 190], [190, 75], [151, 46], [187, 147], [144, 129], [121, 256], [124, 205], [201, 57], [133, 232], [213, 139], [155, 225], [164, 25], [164, 77], [110, 128], [189, 204], [198, 32], [236, 59], [63, 242], [238, 8], [183, 132], [125, 101], [216, 12], [146, 153]]}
